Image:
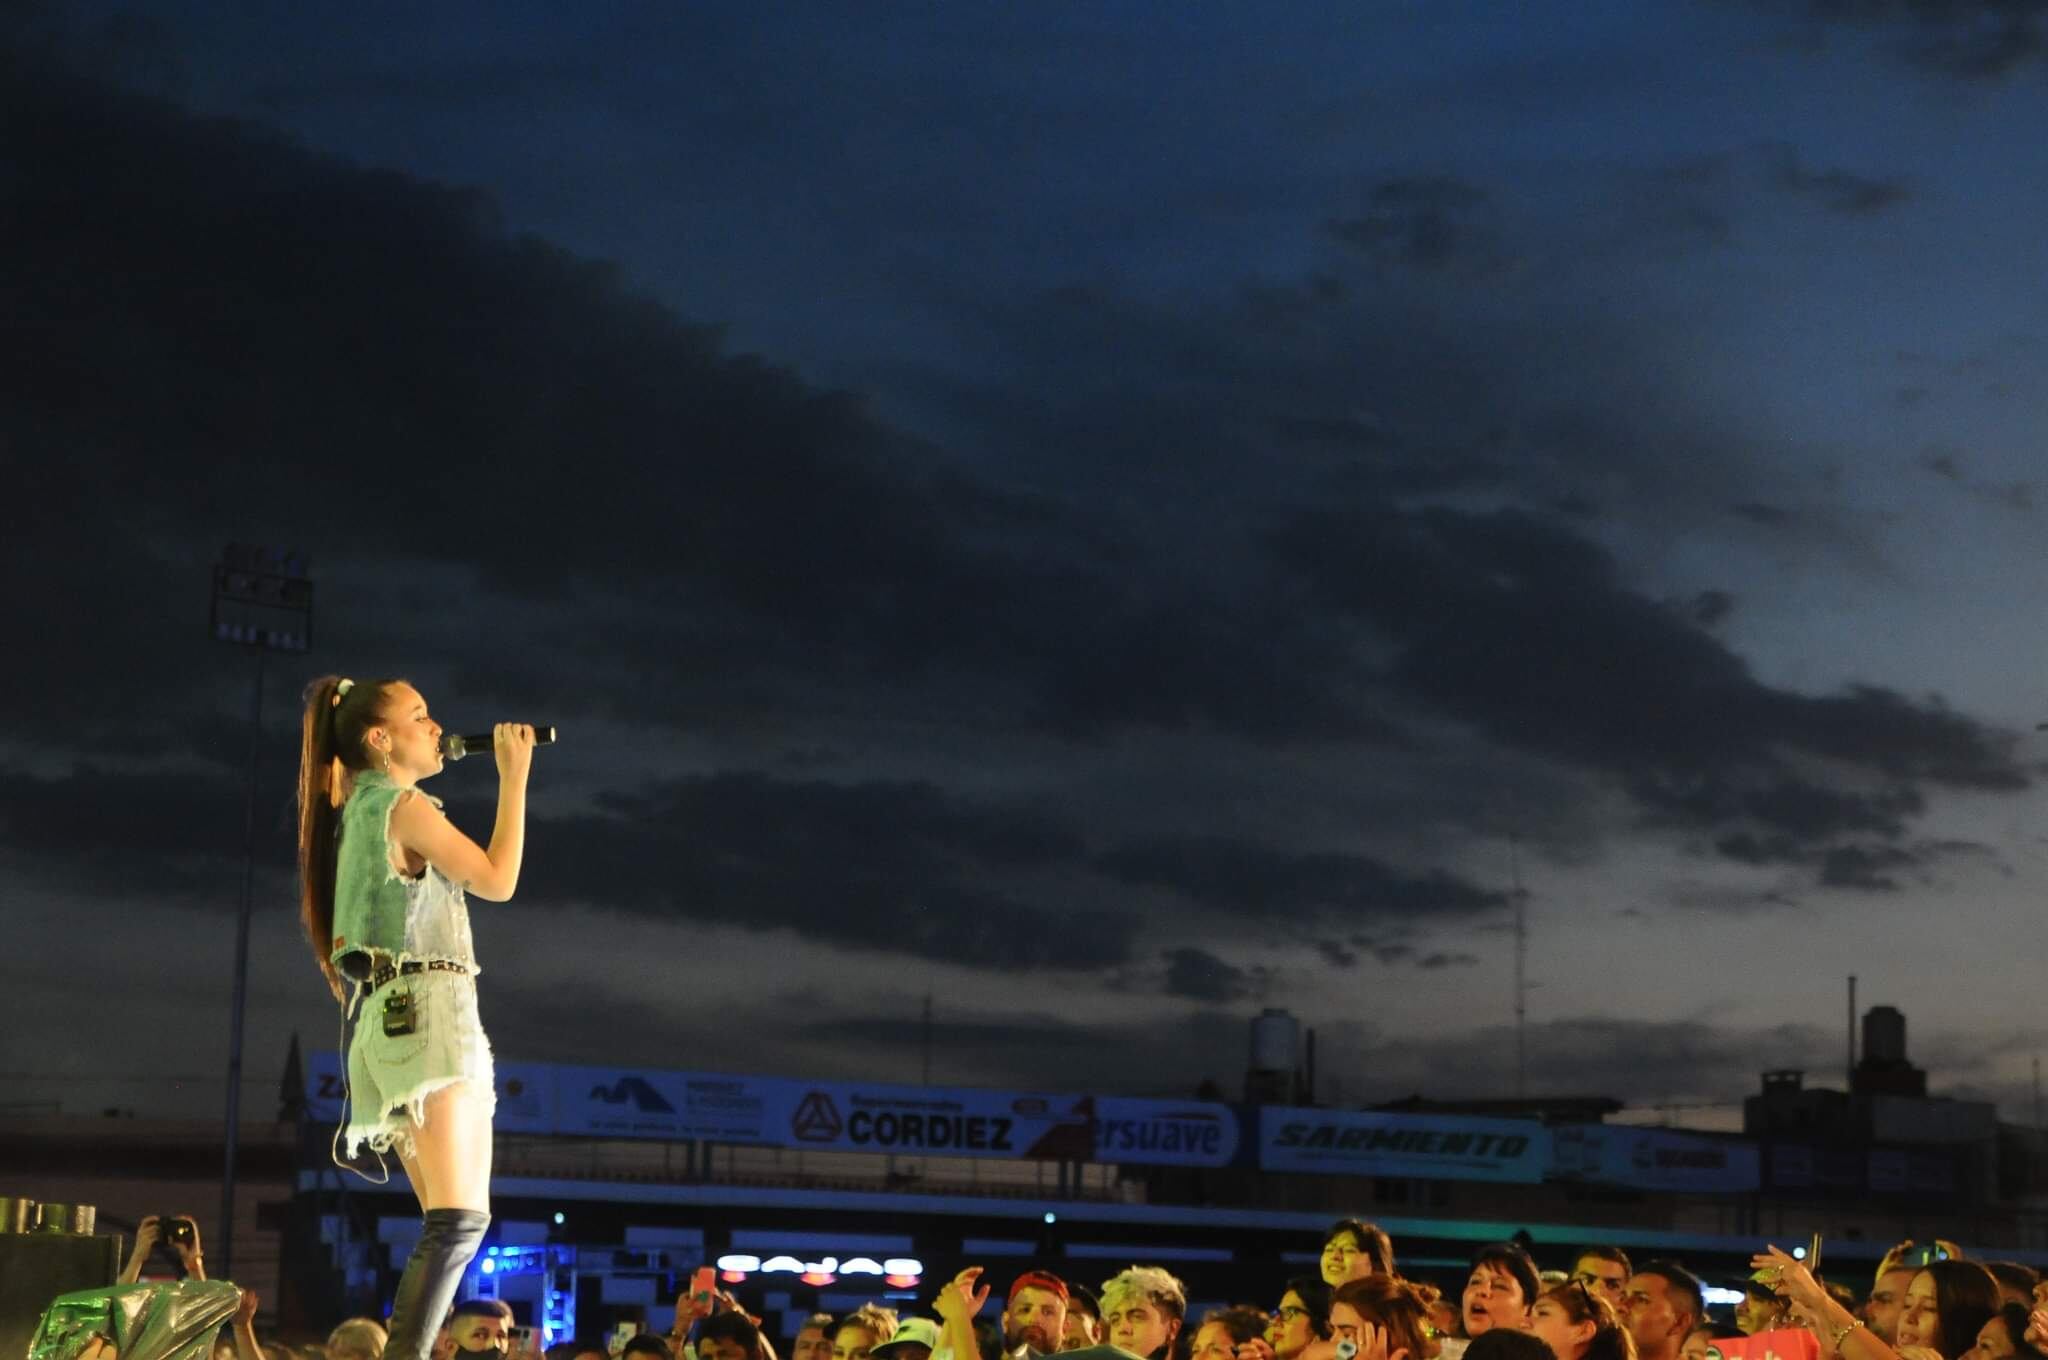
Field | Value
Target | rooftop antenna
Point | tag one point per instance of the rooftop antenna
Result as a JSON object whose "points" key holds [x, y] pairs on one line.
{"points": [[925, 1042], [1521, 972]]}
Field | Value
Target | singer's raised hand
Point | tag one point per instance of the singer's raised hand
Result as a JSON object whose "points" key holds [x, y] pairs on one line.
{"points": [[512, 744]]}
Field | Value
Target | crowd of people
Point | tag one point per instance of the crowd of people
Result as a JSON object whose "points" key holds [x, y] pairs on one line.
{"points": [[1926, 1303]]}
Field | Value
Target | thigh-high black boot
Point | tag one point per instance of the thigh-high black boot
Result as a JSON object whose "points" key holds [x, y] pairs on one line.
{"points": [[448, 1240]]}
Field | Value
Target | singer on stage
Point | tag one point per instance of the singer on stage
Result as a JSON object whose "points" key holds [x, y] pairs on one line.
{"points": [[384, 878]]}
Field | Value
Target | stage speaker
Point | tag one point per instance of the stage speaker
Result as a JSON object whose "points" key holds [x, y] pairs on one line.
{"points": [[37, 1267]]}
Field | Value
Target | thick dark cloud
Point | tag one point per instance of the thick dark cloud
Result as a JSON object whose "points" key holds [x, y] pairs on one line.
{"points": [[1259, 883], [626, 489], [1973, 40], [1169, 1054], [1522, 628], [1869, 868], [1838, 191], [1199, 975], [149, 835], [888, 867], [1434, 223], [502, 452]]}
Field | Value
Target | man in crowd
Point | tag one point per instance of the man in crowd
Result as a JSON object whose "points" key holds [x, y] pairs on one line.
{"points": [[1142, 1311], [1604, 1271], [1036, 1317], [728, 1336], [1661, 1304], [478, 1327], [813, 1339], [1084, 1319]]}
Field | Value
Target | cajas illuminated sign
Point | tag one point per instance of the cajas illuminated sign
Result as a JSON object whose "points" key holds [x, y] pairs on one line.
{"points": [[899, 1272]]}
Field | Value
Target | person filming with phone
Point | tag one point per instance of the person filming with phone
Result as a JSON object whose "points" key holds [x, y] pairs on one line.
{"points": [[1947, 1303], [177, 1233]]}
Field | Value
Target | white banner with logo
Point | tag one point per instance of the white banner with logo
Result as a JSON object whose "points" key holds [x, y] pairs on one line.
{"points": [[1653, 1159]]}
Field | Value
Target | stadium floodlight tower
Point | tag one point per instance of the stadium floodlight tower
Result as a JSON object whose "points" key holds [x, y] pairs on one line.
{"points": [[262, 603]]}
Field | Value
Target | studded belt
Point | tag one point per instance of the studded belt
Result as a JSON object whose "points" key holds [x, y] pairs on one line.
{"points": [[385, 972]]}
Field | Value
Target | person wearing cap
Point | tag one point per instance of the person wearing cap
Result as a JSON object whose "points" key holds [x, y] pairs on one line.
{"points": [[914, 1339], [1036, 1315], [1761, 1310]]}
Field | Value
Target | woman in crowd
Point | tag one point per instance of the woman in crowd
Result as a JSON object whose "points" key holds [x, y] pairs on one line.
{"points": [[1698, 1344], [2005, 1337], [1354, 1249], [860, 1331], [1302, 1319], [1225, 1329], [1578, 1325], [1499, 1290], [1388, 1313], [1947, 1304], [384, 882]]}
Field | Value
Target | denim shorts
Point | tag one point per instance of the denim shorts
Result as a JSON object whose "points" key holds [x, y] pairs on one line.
{"points": [[390, 1076]]}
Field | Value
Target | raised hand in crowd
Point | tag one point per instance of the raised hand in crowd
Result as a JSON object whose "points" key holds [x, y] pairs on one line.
{"points": [[1372, 1343], [145, 1242], [959, 1301], [148, 1233], [189, 1254], [1817, 1310], [246, 1345], [1896, 1258], [690, 1310]]}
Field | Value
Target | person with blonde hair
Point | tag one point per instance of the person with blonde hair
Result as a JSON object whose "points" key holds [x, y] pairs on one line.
{"points": [[1142, 1311], [359, 1338], [860, 1331]]}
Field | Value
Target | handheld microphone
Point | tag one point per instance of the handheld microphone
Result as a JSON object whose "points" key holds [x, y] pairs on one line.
{"points": [[455, 746]]}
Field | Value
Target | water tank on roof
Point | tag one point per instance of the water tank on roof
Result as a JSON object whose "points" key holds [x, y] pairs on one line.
{"points": [[1884, 1035], [1276, 1041]]}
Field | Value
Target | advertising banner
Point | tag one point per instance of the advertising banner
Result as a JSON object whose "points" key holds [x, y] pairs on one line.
{"points": [[619, 1102], [1653, 1159], [1165, 1132], [623, 1102], [864, 1117], [1371, 1143]]}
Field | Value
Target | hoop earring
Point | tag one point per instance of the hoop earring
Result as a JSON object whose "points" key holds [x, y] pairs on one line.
{"points": [[387, 762]]}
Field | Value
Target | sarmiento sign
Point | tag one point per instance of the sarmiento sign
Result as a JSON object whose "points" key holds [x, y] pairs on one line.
{"points": [[1367, 1143]]}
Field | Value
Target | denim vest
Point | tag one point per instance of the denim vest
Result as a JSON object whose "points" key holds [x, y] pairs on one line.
{"points": [[375, 906]]}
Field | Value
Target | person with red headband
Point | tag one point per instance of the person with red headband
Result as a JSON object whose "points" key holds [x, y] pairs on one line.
{"points": [[1034, 1321], [1037, 1314]]}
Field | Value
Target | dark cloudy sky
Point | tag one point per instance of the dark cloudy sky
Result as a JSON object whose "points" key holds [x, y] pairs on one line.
{"points": [[1109, 514]]}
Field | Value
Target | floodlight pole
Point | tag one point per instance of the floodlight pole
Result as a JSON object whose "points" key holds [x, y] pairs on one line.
{"points": [[262, 600], [226, 1233]]}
